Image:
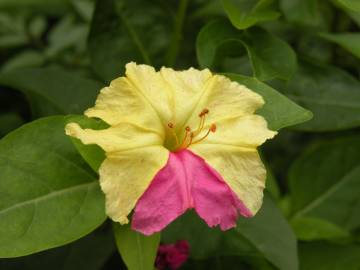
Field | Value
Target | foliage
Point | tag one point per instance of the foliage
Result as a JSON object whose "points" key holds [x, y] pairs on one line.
{"points": [[302, 56]]}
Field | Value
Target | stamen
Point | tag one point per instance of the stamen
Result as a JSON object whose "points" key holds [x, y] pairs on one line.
{"points": [[211, 129], [202, 116], [191, 135], [187, 133], [171, 126]]}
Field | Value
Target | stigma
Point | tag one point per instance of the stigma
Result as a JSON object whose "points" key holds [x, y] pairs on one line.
{"points": [[192, 136]]}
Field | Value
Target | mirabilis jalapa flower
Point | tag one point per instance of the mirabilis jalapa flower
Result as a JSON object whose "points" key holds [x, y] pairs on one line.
{"points": [[178, 140]]}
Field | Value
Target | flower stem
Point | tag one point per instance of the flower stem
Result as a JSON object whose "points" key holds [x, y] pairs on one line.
{"points": [[177, 34]]}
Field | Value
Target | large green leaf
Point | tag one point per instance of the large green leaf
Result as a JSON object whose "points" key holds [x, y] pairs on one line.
{"points": [[278, 110], [270, 56], [351, 4], [323, 182], [304, 12], [90, 253], [49, 196], [310, 228], [138, 251], [245, 13], [349, 41], [330, 93], [53, 90], [9, 121], [326, 256], [265, 235], [124, 31]]}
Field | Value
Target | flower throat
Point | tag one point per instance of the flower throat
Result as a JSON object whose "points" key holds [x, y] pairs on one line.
{"points": [[191, 136]]}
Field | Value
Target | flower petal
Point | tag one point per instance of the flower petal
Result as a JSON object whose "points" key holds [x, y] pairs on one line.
{"points": [[186, 182], [122, 102], [167, 197], [124, 177], [241, 168], [213, 199], [118, 138], [225, 99], [187, 87], [247, 131], [151, 85]]}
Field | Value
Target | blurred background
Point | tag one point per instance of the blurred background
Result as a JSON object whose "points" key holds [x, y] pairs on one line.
{"points": [[56, 55]]}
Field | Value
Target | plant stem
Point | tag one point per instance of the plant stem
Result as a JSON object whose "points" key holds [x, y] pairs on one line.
{"points": [[177, 34]]}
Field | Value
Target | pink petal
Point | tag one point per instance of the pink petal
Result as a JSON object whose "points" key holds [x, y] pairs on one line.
{"points": [[214, 200], [167, 197], [187, 181]]}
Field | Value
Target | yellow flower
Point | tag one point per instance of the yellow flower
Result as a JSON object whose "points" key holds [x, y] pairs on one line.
{"points": [[178, 140]]}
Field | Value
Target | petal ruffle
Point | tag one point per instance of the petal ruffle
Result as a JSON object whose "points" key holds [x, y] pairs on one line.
{"points": [[151, 85], [124, 177], [117, 138], [187, 182], [122, 101], [241, 168]]}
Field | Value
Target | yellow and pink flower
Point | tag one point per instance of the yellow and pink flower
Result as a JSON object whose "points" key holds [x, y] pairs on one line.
{"points": [[178, 140]]}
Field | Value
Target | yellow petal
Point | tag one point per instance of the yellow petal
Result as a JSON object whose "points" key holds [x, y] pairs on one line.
{"points": [[124, 177], [241, 168], [225, 99], [122, 102], [151, 85], [121, 137], [187, 87], [247, 131]]}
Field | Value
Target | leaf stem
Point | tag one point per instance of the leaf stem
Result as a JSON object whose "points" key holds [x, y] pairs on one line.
{"points": [[135, 39], [177, 34]]}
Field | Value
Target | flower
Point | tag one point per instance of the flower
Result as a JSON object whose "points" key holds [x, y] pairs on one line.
{"points": [[178, 140], [172, 255]]}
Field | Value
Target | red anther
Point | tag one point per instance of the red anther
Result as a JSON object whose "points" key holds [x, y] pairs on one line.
{"points": [[213, 128], [170, 125], [187, 129], [203, 112]]}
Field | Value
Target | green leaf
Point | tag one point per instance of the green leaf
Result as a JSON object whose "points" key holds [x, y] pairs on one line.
{"points": [[330, 93], [245, 13], [27, 58], [91, 153], [66, 34], [51, 7], [53, 90], [137, 251], [303, 12], [354, 15], [324, 178], [349, 41], [266, 235], [278, 110], [351, 4], [9, 121], [309, 229], [90, 253], [49, 196], [124, 31], [326, 256], [271, 183], [270, 56]]}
